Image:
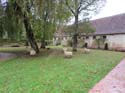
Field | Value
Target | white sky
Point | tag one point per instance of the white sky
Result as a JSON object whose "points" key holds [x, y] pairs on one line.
{"points": [[3, 1], [112, 7]]}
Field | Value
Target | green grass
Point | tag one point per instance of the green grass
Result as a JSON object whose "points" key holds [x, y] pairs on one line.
{"points": [[23, 48], [53, 47], [12, 49], [55, 74]]}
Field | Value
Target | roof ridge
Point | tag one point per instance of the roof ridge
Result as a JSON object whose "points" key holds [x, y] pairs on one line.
{"points": [[110, 25], [109, 16]]}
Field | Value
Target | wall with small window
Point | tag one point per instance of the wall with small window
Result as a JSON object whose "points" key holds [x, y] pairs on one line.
{"points": [[107, 42]]}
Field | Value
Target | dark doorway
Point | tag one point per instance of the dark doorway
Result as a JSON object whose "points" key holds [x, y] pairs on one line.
{"points": [[86, 45], [106, 46]]}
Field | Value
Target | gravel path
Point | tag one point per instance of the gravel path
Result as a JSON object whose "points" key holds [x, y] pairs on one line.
{"points": [[114, 82], [6, 56]]}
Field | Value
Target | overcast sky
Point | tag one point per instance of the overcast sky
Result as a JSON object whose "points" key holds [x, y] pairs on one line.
{"points": [[112, 7]]}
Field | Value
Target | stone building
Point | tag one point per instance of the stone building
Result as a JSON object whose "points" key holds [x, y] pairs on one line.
{"points": [[109, 35]]}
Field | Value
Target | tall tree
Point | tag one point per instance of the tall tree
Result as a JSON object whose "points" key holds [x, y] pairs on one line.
{"points": [[1, 20], [47, 19], [52, 14], [81, 7], [24, 12]]}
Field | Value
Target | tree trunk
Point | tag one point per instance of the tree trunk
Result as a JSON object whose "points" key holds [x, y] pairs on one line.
{"points": [[29, 31], [1, 34], [30, 34], [75, 41], [43, 43]]}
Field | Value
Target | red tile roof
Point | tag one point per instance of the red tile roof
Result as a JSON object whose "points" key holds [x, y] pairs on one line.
{"points": [[110, 25]]}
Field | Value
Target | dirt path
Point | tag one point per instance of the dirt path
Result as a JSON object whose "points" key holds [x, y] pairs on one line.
{"points": [[6, 56], [114, 82]]}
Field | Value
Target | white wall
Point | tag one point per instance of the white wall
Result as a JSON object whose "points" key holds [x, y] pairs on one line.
{"points": [[89, 41], [119, 39], [114, 41]]}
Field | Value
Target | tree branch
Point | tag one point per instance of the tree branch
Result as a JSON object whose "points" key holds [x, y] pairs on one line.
{"points": [[88, 4], [80, 4], [67, 4]]}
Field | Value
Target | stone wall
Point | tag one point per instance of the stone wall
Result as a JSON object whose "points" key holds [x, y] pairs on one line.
{"points": [[112, 42], [116, 42]]}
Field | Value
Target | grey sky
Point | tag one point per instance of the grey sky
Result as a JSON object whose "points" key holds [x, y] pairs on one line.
{"points": [[3, 1], [112, 7]]}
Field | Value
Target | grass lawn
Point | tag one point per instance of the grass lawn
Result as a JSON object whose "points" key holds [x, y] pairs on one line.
{"points": [[12, 49], [54, 74]]}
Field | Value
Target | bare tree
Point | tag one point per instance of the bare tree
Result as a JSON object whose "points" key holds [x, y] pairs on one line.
{"points": [[82, 7]]}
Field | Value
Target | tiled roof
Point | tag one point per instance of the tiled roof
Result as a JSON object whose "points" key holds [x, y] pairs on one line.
{"points": [[110, 25]]}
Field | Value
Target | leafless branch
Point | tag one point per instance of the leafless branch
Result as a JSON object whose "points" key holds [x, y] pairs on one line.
{"points": [[80, 4], [67, 4], [88, 4]]}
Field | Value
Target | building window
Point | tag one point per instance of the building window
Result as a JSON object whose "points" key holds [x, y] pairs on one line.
{"points": [[83, 38], [94, 37], [87, 37], [104, 37]]}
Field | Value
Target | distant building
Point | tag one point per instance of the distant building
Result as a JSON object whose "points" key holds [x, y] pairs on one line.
{"points": [[109, 35]]}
